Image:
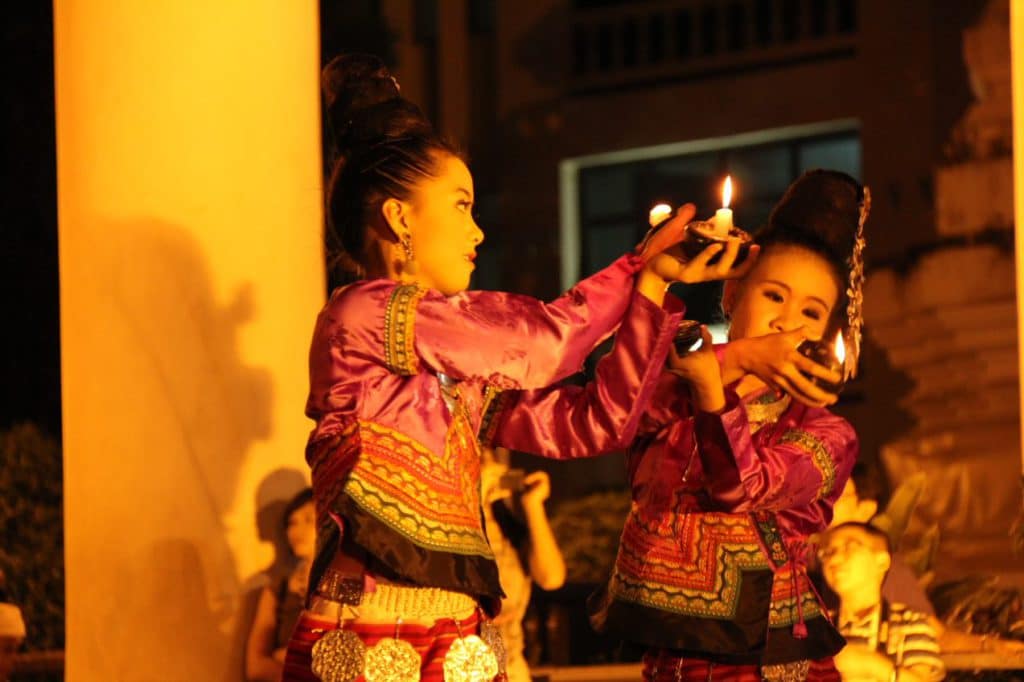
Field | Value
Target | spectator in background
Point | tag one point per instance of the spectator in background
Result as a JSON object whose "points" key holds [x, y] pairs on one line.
{"points": [[524, 546], [281, 601], [12, 632], [885, 640], [859, 503]]}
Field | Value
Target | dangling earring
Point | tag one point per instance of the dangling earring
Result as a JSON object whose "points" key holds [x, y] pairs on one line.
{"points": [[410, 260]]}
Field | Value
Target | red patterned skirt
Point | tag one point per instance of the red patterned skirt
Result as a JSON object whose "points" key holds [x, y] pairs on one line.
{"points": [[430, 642], [661, 665]]}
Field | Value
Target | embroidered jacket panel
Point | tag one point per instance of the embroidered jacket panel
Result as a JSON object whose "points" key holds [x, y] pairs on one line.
{"points": [[711, 558]]}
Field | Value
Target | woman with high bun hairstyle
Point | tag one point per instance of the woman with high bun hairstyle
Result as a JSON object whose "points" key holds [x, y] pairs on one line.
{"points": [[730, 475], [404, 365]]}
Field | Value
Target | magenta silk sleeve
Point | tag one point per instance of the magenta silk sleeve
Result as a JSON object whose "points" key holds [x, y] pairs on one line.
{"points": [[506, 340], [670, 400], [789, 465], [579, 421]]}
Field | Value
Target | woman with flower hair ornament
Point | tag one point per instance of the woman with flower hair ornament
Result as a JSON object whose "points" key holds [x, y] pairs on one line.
{"points": [[730, 475]]}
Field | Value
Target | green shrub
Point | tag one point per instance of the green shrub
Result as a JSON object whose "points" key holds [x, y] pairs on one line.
{"points": [[32, 545]]}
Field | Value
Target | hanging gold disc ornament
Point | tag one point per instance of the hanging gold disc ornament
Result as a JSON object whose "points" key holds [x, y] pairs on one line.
{"points": [[470, 660], [392, 660], [338, 656]]}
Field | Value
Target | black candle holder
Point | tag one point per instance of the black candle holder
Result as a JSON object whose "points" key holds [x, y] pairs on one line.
{"points": [[824, 354], [687, 335], [700, 234]]}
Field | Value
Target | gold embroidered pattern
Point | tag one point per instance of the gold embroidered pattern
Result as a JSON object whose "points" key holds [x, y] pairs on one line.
{"points": [[399, 329], [692, 565], [433, 501], [495, 402], [784, 612], [819, 455], [766, 410]]}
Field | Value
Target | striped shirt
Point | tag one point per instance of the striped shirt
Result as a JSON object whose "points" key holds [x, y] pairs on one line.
{"points": [[905, 636]]}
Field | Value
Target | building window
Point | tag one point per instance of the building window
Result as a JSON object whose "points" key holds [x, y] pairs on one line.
{"points": [[614, 198]]}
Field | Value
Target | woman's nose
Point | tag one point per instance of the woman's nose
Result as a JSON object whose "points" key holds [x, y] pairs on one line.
{"points": [[787, 320], [478, 234]]}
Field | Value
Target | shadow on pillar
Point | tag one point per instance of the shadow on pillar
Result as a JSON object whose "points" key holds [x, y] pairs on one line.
{"points": [[190, 410]]}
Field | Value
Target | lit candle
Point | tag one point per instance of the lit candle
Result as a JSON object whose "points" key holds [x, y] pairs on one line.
{"points": [[658, 213], [840, 349], [723, 216]]}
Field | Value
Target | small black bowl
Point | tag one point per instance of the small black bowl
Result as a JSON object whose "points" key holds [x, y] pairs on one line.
{"points": [[700, 235], [687, 335], [823, 354]]}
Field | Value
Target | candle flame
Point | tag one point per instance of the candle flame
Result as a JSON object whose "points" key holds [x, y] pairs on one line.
{"points": [[658, 213], [840, 349], [727, 192]]}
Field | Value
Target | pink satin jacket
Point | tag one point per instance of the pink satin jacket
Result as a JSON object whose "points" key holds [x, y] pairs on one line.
{"points": [[401, 379]]}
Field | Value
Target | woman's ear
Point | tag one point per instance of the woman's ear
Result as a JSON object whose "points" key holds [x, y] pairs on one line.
{"points": [[394, 213]]}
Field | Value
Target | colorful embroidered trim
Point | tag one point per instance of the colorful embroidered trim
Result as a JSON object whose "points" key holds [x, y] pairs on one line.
{"points": [[690, 564], [819, 455], [771, 538], [494, 403], [399, 329], [784, 611], [432, 501]]}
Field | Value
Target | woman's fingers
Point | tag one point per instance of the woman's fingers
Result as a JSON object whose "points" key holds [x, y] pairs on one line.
{"points": [[806, 391], [743, 268], [808, 366], [671, 232]]}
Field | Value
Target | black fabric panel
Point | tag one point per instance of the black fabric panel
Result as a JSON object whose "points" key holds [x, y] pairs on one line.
{"points": [[744, 639], [392, 556]]}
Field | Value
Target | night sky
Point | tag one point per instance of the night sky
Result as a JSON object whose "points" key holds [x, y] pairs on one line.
{"points": [[30, 336]]}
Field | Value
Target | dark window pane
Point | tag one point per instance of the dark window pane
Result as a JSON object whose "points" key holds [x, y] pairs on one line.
{"points": [[790, 20], [580, 48], [630, 42], [684, 34], [607, 191], [842, 154], [709, 30], [736, 27], [605, 47], [656, 38], [605, 243]]}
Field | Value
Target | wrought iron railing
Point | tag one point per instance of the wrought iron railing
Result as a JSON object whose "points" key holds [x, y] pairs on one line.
{"points": [[647, 41]]}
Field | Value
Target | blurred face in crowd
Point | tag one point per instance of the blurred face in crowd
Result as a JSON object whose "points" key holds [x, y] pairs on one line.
{"points": [[301, 531], [854, 562]]}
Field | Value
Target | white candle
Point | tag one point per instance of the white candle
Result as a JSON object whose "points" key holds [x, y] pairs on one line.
{"points": [[723, 216], [658, 213]]}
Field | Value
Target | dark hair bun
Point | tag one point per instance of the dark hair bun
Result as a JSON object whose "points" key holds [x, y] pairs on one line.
{"points": [[363, 104], [820, 210]]}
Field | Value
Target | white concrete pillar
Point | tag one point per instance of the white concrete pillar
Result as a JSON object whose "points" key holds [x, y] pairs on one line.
{"points": [[189, 196]]}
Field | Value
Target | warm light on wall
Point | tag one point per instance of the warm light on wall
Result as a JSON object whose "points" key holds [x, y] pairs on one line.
{"points": [[1017, 52], [191, 271]]}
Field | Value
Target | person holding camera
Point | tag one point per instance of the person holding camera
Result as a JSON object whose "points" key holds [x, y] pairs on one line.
{"points": [[524, 546]]}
